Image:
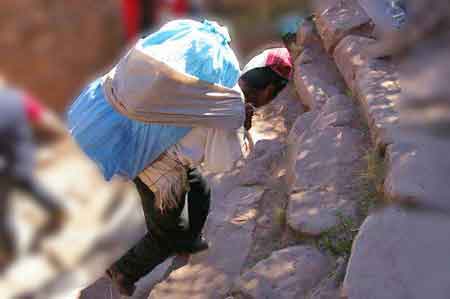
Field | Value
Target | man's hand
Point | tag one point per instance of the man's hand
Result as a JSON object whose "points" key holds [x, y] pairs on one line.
{"points": [[249, 111]]}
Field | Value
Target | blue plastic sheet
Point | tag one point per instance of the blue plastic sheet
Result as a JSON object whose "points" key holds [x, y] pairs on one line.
{"points": [[124, 147], [397, 9]]}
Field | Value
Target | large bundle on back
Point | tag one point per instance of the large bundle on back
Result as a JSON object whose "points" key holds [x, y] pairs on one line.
{"points": [[183, 76]]}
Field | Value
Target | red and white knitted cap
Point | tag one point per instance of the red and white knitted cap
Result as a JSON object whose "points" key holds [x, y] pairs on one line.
{"points": [[278, 59]]}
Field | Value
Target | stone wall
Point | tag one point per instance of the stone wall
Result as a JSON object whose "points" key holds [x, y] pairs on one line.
{"points": [[400, 247], [340, 165], [366, 165]]}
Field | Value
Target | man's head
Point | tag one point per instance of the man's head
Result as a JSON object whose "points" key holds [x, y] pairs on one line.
{"points": [[265, 76], [261, 85]]}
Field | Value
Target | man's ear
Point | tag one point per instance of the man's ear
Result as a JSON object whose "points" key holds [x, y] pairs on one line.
{"points": [[243, 87], [265, 96], [270, 93], [241, 83]]}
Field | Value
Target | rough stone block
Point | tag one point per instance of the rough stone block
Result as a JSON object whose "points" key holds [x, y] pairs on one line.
{"points": [[380, 15], [325, 155], [341, 18], [374, 82], [419, 171], [378, 91], [350, 55], [316, 77], [330, 287], [338, 103], [289, 274], [307, 35], [400, 254], [312, 213], [337, 112], [300, 129], [327, 159], [425, 97]]}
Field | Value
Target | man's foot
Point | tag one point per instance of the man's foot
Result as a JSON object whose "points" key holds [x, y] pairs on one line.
{"points": [[6, 259], [198, 245], [119, 280]]}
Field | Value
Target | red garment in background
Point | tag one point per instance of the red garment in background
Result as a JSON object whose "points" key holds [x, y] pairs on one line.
{"points": [[131, 18], [180, 8], [33, 109], [136, 13]]}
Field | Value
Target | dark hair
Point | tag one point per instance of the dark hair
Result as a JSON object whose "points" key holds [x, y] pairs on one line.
{"points": [[260, 78]]}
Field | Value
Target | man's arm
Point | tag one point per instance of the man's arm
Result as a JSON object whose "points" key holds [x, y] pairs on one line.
{"points": [[249, 111]]}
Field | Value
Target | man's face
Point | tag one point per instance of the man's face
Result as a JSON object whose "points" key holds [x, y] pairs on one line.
{"points": [[257, 97]]}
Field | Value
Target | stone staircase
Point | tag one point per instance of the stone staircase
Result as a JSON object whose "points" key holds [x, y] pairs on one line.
{"points": [[348, 161]]}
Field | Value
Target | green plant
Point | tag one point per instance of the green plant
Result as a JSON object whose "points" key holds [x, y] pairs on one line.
{"points": [[338, 240], [371, 182], [375, 167], [280, 216], [349, 93]]}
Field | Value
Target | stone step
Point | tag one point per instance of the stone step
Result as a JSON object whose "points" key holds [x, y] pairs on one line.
{"points": [[290, 273], [337, 19], [326, 153], [229, 230], [400, 254], [316, 76], [374, 82]]}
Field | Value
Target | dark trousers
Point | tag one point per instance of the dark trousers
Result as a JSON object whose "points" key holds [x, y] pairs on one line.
{"points": [[7, 241], [29, 185], [168, 233]]}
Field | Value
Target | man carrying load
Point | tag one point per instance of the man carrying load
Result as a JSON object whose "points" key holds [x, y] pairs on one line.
{"points": [[166, 108]]}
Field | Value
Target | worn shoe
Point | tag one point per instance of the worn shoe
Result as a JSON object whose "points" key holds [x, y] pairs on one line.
{"points": [[119, 280], [198, 245], [6, 259]]}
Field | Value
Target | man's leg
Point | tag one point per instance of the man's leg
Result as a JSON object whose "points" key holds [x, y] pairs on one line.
{"points": [[39, 193], [146, 255], [22, 168], [165, 228], [8, 250], [45, 199], [199, 198]]}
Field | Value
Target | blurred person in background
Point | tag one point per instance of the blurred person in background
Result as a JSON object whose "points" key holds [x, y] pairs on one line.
{"points": [[19, 114], [140, 16]]}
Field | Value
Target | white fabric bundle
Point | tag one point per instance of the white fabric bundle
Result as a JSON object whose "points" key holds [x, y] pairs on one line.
{"points": [[147, 90]]}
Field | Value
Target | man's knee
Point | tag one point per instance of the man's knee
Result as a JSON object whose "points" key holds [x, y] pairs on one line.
{"points": [[199, 187]]}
